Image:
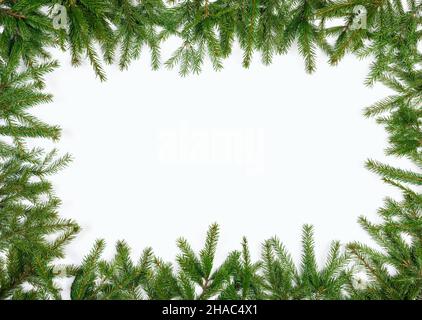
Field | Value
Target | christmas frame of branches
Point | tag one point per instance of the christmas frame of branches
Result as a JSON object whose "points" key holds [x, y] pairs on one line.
{"points": [[33, 236]]}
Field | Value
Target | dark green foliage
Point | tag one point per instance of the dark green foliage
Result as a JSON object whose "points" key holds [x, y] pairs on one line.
{"points": [[27, 32], [282, 280], [117, 279], [33, 236], [246, 283], [395, 272], [152, 278], [390, 37], [196, 276], [20, 92], [302, 27]]}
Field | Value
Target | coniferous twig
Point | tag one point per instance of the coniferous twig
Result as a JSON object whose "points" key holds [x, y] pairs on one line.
{"points": [[116, 30]]}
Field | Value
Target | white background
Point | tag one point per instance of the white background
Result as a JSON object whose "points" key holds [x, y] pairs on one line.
{"points": [[260, 151]]}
